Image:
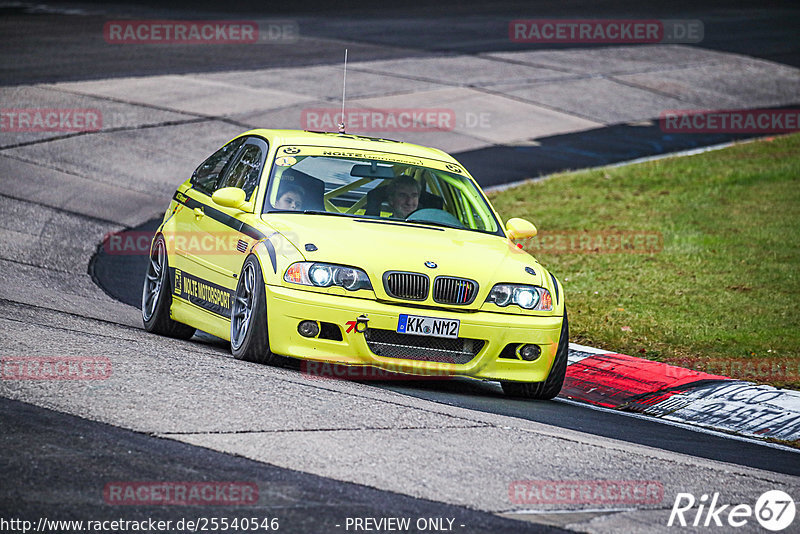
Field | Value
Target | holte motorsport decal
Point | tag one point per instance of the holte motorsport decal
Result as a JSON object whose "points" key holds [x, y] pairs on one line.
{"points": [[203, 293]]}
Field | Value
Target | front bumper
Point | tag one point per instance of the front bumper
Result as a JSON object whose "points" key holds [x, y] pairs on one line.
{"points": [[287, 307]]}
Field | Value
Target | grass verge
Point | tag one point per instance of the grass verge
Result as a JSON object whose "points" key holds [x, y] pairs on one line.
{"points": [[688, 260]]}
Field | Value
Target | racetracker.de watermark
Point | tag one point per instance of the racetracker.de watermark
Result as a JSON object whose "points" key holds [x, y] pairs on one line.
{"points": [[606, 242], [765, 121], [749, 369], [55, 367], [200, 32], [620, 31], [331, 371], [380, 120], [595, 492], [20, 120], [137, 243], [224, 243], [181, 493]]}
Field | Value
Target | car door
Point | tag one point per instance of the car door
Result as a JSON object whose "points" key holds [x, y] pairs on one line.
{"points": [[233, 225], [212, 240]]}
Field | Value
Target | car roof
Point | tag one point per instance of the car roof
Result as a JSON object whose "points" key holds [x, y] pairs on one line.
{"points": [[349, 141]]}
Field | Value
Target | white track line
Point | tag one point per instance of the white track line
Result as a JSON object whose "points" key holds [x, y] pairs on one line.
{"points": [[592, 350], [576, 511]]}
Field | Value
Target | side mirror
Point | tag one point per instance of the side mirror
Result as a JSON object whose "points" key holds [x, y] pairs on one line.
{"points": [[231, 197], [520, 229]]}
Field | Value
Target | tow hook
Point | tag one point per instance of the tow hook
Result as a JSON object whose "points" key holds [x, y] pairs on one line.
{"points": [[361, 323]]}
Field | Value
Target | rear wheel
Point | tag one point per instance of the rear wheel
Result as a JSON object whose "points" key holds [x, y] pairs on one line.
{"points": [[552, 386], [157, 296], [249, 335]]}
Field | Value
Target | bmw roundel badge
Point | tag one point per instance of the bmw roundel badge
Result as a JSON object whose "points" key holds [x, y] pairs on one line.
{"points": [[430, 264]]}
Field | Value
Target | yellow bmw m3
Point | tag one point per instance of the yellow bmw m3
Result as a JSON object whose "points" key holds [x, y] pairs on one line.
{"points": [[356, 251]]}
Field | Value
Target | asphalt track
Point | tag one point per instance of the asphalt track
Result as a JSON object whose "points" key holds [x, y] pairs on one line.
{"points": [[183, 399], [96, 453], [32, 52]]}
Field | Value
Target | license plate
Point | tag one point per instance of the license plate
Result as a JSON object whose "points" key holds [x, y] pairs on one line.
{"points": [[428, 326]]}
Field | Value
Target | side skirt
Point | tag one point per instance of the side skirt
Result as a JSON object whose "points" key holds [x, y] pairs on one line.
{"points": [[193, 315]]}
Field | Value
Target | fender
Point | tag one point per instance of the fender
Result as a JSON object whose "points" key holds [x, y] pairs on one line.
{"points": [[275, 253]]}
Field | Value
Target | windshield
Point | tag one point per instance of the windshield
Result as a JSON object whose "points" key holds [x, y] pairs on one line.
{"points": [[374, 186]]}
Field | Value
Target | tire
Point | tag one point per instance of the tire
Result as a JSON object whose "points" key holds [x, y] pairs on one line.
{"points": [[550, 388], [249, 334], [157, 295]]}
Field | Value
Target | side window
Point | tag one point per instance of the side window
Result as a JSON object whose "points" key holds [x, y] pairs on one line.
{"points": [[207, 174], [245, 170]]}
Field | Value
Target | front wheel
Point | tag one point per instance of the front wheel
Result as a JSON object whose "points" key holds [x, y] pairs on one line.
{"points": [[249, 335], [157, 295], [552, 386]]}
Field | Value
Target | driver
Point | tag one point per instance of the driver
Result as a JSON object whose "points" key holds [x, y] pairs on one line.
{"points": [[290, 197], [403, 196]]}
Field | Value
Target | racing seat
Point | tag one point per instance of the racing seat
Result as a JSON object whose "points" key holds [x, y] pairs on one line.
{"points": [[429, 200], [375, 198]]}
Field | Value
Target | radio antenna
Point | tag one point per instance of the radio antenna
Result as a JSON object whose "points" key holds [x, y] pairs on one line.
{"points": [[344, 86]]}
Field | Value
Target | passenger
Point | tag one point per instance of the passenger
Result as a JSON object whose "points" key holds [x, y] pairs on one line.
{"points": [[403, 196], [290, 197]]}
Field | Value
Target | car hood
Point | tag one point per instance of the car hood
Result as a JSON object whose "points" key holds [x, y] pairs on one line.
{"points": [[378, 246]]}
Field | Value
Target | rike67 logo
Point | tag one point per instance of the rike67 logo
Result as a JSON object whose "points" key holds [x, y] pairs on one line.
{"points": [[774, 510]]}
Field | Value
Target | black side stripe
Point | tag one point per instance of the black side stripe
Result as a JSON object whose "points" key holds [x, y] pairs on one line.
{"points": [[219, 216], [272, 255], [555, 285]]}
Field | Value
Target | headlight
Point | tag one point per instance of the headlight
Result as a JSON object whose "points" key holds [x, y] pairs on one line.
{"points": [[501, 294], [527, 297], [321, 275], [325, 275]]}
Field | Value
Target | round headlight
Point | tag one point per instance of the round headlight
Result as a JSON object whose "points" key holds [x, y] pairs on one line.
{"points": [[347, 278], [529, 352], [526, 298], [320, 275], [501, 295]]}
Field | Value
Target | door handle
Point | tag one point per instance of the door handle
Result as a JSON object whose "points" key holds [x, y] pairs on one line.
{"points": [[198, 213]]}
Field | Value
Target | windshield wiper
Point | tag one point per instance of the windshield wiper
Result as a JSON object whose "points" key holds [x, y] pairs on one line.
{"points": [[393, 222], [320, 212], [434, 223], [310, 212]]}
